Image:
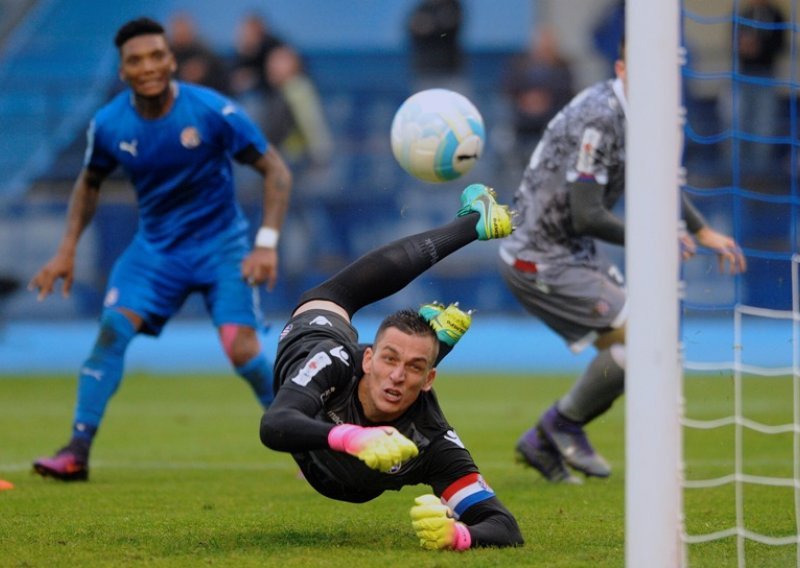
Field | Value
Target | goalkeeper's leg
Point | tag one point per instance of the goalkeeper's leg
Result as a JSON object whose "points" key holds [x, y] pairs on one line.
{"points": [[388, 269]]}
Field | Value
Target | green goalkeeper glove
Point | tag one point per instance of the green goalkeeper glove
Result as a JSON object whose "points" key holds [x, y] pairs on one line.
{"points": [[435, 526], [381, 447], [450, 323]]}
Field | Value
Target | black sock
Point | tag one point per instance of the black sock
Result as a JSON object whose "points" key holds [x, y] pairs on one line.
{"points": [[380, 273]]}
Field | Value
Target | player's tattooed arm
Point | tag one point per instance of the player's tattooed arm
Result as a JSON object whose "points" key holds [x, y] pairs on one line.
{"points": [[261, 265], [277, 188], [82, 207]]}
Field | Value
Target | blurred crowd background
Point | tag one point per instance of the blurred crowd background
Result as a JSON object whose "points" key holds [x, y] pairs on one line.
{"points": [[324, 80]]}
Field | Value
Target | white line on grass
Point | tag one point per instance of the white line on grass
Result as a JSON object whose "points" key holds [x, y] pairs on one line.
{"points": [[100, 464]]}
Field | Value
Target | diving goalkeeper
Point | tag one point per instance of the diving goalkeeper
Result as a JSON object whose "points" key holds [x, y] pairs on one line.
{"points": [[360, 420]]}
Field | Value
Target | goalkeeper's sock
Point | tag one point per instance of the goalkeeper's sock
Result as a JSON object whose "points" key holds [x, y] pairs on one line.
{"points": [[388, 269], [258, 374]]}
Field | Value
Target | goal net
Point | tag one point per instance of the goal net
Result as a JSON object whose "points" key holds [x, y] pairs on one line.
{"points": [[713, 388]]}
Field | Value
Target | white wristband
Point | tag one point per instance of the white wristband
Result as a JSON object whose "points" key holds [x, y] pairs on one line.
{"points": [[267, 237]]}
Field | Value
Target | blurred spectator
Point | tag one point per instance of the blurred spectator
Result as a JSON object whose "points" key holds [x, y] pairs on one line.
{"points": [[297, 125], [197, 63], [434, 29], [758, 49], [253, 43], [539, 83], [8, 285], [295, 119]]}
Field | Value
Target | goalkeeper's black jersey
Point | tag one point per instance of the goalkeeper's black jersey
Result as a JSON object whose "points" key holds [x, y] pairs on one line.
{"points": [[319, 365]]}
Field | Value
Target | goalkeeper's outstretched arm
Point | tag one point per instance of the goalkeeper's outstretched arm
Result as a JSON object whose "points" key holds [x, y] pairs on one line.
{"points": [[289, 426], [491, 524]]}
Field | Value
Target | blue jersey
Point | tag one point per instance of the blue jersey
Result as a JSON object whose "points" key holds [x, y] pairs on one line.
{"points": [[180, 163]]}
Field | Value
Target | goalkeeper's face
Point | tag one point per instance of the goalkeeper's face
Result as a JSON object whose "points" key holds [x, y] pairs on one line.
{"points": [[396, 369]]}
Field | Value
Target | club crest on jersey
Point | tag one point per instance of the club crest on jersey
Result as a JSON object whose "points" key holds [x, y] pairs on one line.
{"points": [[190, 137], [601, 308], [112, 297]]}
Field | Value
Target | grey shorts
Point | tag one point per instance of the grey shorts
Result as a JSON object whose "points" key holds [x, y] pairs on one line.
{"points": [[577, 302]]}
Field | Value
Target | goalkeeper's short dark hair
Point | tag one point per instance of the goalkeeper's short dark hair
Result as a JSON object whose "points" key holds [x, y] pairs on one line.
{"points": [[408, 321], [137, 27]]}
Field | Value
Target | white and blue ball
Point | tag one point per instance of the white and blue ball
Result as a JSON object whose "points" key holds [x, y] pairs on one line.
{"points": [[437, 135]]}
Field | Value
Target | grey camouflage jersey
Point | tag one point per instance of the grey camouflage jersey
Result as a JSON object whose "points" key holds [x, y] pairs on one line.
{"points": [[584, 142]]}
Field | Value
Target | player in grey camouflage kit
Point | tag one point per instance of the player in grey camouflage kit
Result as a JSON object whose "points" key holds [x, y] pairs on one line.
{"points": [[552, 265]]}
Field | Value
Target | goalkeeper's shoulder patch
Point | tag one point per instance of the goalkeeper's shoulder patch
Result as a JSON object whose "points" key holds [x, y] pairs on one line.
{"points": [[313, 366], [465, 492]]}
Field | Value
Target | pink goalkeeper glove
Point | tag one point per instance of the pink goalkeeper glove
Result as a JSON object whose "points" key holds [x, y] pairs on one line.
{"points": [[435, 526], [382, 447]]}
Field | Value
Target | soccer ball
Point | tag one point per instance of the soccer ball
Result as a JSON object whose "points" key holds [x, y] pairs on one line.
{"points": [[437, 135]]}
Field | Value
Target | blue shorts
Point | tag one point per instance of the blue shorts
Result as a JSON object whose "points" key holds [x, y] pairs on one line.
{"points": [[154, 284]]}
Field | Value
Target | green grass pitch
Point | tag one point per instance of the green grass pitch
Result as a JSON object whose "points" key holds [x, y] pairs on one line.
{"points": [[179, 478]]}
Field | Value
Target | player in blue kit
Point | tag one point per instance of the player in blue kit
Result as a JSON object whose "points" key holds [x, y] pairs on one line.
{"points": [[175, 142]]}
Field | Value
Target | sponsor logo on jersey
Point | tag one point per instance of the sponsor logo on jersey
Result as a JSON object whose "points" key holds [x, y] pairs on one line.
{"points": [[453, 437], [130, 147], [228, 109], [190, 137], [285, 331], [320, 320], [311, 368], [340, 353], [112, 297], [587, 155]]}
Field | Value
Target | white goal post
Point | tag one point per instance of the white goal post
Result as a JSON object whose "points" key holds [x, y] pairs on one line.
{"points": [[653, 493]]}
